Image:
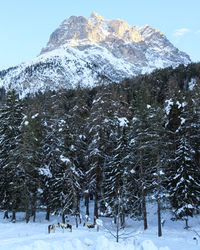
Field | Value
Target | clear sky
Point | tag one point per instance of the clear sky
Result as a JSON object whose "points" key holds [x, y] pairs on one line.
{"points": [[25, 25]]}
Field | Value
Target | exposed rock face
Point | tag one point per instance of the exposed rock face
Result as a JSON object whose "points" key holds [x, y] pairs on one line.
{"points": [[83, 50], [78, 30], [134, 44]]}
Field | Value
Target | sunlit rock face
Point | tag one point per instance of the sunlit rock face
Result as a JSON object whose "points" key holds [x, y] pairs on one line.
{"points": [[88, 51], [136, 44], [78, 30]]}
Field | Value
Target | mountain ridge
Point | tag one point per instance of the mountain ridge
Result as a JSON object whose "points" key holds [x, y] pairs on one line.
{"points": [[83, 50]]}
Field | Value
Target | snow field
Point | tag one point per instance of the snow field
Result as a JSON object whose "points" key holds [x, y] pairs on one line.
{"points": [[34, 236]]}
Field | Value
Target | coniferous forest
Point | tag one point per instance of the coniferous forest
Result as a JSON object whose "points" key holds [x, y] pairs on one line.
{"points": [[121, 145]]}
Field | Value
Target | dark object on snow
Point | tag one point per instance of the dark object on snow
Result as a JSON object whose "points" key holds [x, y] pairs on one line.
{"points": [[89, 225], [64, 226], [51, 227]]}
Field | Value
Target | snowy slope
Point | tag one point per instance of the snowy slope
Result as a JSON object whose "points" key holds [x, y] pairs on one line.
{"points": [[22, 236], [66, 68], [86, 52]]}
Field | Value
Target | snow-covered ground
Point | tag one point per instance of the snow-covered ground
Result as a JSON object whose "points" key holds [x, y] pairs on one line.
{"points": [[22, 236]]}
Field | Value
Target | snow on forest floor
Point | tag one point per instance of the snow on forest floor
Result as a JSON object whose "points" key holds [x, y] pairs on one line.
{"points": [[22, 236]]}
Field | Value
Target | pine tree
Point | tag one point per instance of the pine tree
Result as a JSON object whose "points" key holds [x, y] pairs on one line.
{"points": [[51, 154], [77, 117], [158, 144], [107, 111], [185, 184], [98, 128], [195, 123], [10, 118], [28, 159], [115, 174], [65, 180], [185, 187], [139, 142]]}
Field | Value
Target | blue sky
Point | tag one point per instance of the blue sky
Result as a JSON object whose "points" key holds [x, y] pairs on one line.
{"points": [[25, 25]]}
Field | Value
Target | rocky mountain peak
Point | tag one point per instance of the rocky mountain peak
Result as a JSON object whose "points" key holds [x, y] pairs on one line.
{"points": [[78, 30], [82, 50], [96, 17]]}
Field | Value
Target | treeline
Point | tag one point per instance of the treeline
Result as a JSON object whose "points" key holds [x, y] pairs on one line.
{"points": [[122, 145]]}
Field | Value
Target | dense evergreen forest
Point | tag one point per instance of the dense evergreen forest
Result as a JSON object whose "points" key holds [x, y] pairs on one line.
{"points": [[122, 145]]}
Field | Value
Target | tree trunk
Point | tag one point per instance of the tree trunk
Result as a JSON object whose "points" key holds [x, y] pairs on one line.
{"points": [[34, 215], [96, 206], [123, 217], [27, 216], [158, 197], [159, 220], [47, 214], [115, 219], [26, 197], [13, 219], [76, 220], [144, 211], [77, 208], [117, 230], [186, 223], [6, 214], [33, 207], [63, 217], [87, 204], [80, 218], [91, 196], [122, 220]]}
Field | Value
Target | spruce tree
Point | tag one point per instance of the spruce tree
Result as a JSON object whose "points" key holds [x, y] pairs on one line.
{"points": [[28, 159], [10, 122], [139, 142], [185, 184], [65, 179]]}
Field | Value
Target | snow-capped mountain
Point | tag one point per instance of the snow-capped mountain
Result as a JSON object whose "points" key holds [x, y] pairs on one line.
{"points": [[86, 51]]}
